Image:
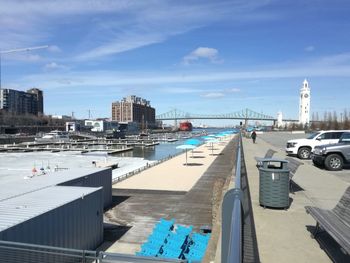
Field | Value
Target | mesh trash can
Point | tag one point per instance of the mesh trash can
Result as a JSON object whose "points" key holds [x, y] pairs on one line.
{"points": [[273, 183]]}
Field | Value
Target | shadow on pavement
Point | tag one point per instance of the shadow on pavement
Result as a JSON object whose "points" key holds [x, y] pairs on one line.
{"points": [[193, 164], [112, 233], [329, 245]]}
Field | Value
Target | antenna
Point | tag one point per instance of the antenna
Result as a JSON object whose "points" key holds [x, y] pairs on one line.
{"points": [[89, 114]]}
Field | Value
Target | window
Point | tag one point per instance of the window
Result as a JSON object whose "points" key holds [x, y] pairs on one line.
{"points": [[313, 135], [345, 137], [325, 136], [337, 135]]}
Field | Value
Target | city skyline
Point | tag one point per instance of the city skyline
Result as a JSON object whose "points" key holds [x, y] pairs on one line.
{"points": [[197, 56]]}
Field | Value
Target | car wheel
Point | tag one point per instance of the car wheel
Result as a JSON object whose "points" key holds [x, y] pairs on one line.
{"points": [[334, 162], [304, 153]]}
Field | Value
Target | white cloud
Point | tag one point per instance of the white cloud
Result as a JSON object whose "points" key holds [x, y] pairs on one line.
{"points": [[202, 52], [54, 66], [309, 48], [232, 90], [54, 49], [213, 95]]}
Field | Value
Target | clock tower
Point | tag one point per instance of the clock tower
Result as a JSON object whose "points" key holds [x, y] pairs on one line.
{"points": [[304, 104]]}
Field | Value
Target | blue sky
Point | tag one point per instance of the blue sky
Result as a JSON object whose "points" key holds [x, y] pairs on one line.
{"points": [[198, 56]]}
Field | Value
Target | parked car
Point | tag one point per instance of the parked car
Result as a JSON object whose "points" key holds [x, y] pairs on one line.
{"points": [[303, 147], [333, 156]]}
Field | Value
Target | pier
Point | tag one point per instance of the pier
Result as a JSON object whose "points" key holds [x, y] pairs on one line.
{"points": [[111, 146]]}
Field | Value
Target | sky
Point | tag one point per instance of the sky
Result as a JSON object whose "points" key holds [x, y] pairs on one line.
{"points": [[202, 57]]}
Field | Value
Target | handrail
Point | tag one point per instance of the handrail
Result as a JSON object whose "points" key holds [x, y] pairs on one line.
{"points": [[231, 242], [238, 164]]}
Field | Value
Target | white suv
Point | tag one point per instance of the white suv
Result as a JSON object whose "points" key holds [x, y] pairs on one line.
{"points": [[303, 147]]}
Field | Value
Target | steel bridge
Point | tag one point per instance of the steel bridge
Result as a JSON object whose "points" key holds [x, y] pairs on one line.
{"points": [[246, 114]]}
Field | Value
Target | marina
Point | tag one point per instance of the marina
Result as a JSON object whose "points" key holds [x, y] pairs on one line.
{"points": [[139, 184]]}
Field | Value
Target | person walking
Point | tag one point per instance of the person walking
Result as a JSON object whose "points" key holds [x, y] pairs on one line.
{"points": [[253, 135]]}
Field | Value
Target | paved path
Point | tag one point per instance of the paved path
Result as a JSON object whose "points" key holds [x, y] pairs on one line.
{"points": [[284, 236], [173, 175]]}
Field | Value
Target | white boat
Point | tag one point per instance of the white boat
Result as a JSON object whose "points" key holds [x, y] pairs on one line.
{"points": [[54, 136]]}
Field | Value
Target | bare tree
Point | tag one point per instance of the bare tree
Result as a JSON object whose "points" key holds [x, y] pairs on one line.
{"points": [[346, 122], [335, 123]]}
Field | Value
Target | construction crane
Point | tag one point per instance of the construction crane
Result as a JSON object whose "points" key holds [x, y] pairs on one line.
{"points": [[18, 50]]}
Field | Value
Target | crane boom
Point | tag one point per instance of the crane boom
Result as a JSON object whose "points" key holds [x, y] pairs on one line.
{"points": [[22, 49], [18, 50]]}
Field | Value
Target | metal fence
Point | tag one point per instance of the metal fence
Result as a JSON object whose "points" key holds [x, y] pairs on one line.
{"points": [[238, 239], [13, 252]]}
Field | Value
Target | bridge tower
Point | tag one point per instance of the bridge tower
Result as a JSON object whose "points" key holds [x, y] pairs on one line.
{"points": [[246, 118], [304, 104]]}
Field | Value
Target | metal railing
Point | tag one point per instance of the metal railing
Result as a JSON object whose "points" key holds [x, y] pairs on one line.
{"points": [[231, 242], [14, 252]]}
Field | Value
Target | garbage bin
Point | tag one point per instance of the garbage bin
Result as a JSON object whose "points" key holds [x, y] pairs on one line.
{"points": [[273, 183]]}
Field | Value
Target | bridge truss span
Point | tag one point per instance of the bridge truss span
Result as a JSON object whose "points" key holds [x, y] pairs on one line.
{"points": [[246, 114]]}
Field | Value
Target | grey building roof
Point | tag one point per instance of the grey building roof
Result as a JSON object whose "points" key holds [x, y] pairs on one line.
{"points": [[18, 186], [19, 209]]}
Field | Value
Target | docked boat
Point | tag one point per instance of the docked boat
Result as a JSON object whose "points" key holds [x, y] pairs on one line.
{"points": [[185, 126], [54, 136]]}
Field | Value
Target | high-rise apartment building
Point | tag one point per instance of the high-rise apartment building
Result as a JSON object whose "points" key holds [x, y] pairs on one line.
{"points": [[134, 109], [21, 102], [40, 98]]}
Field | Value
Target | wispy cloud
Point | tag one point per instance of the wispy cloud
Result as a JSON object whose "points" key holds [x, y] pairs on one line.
{"points": [[121, 44], [213, 95], [329, 66], [54, 49], [309, 48], [112, 26], [220, 93], [232, 90], [54, 66]]}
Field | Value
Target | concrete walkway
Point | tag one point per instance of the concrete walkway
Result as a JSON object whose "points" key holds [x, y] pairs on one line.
{"points": [[284, 236], [174, 175]]}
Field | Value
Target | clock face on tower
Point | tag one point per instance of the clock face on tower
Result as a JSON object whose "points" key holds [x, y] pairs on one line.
{"points": [[306, 96]]}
